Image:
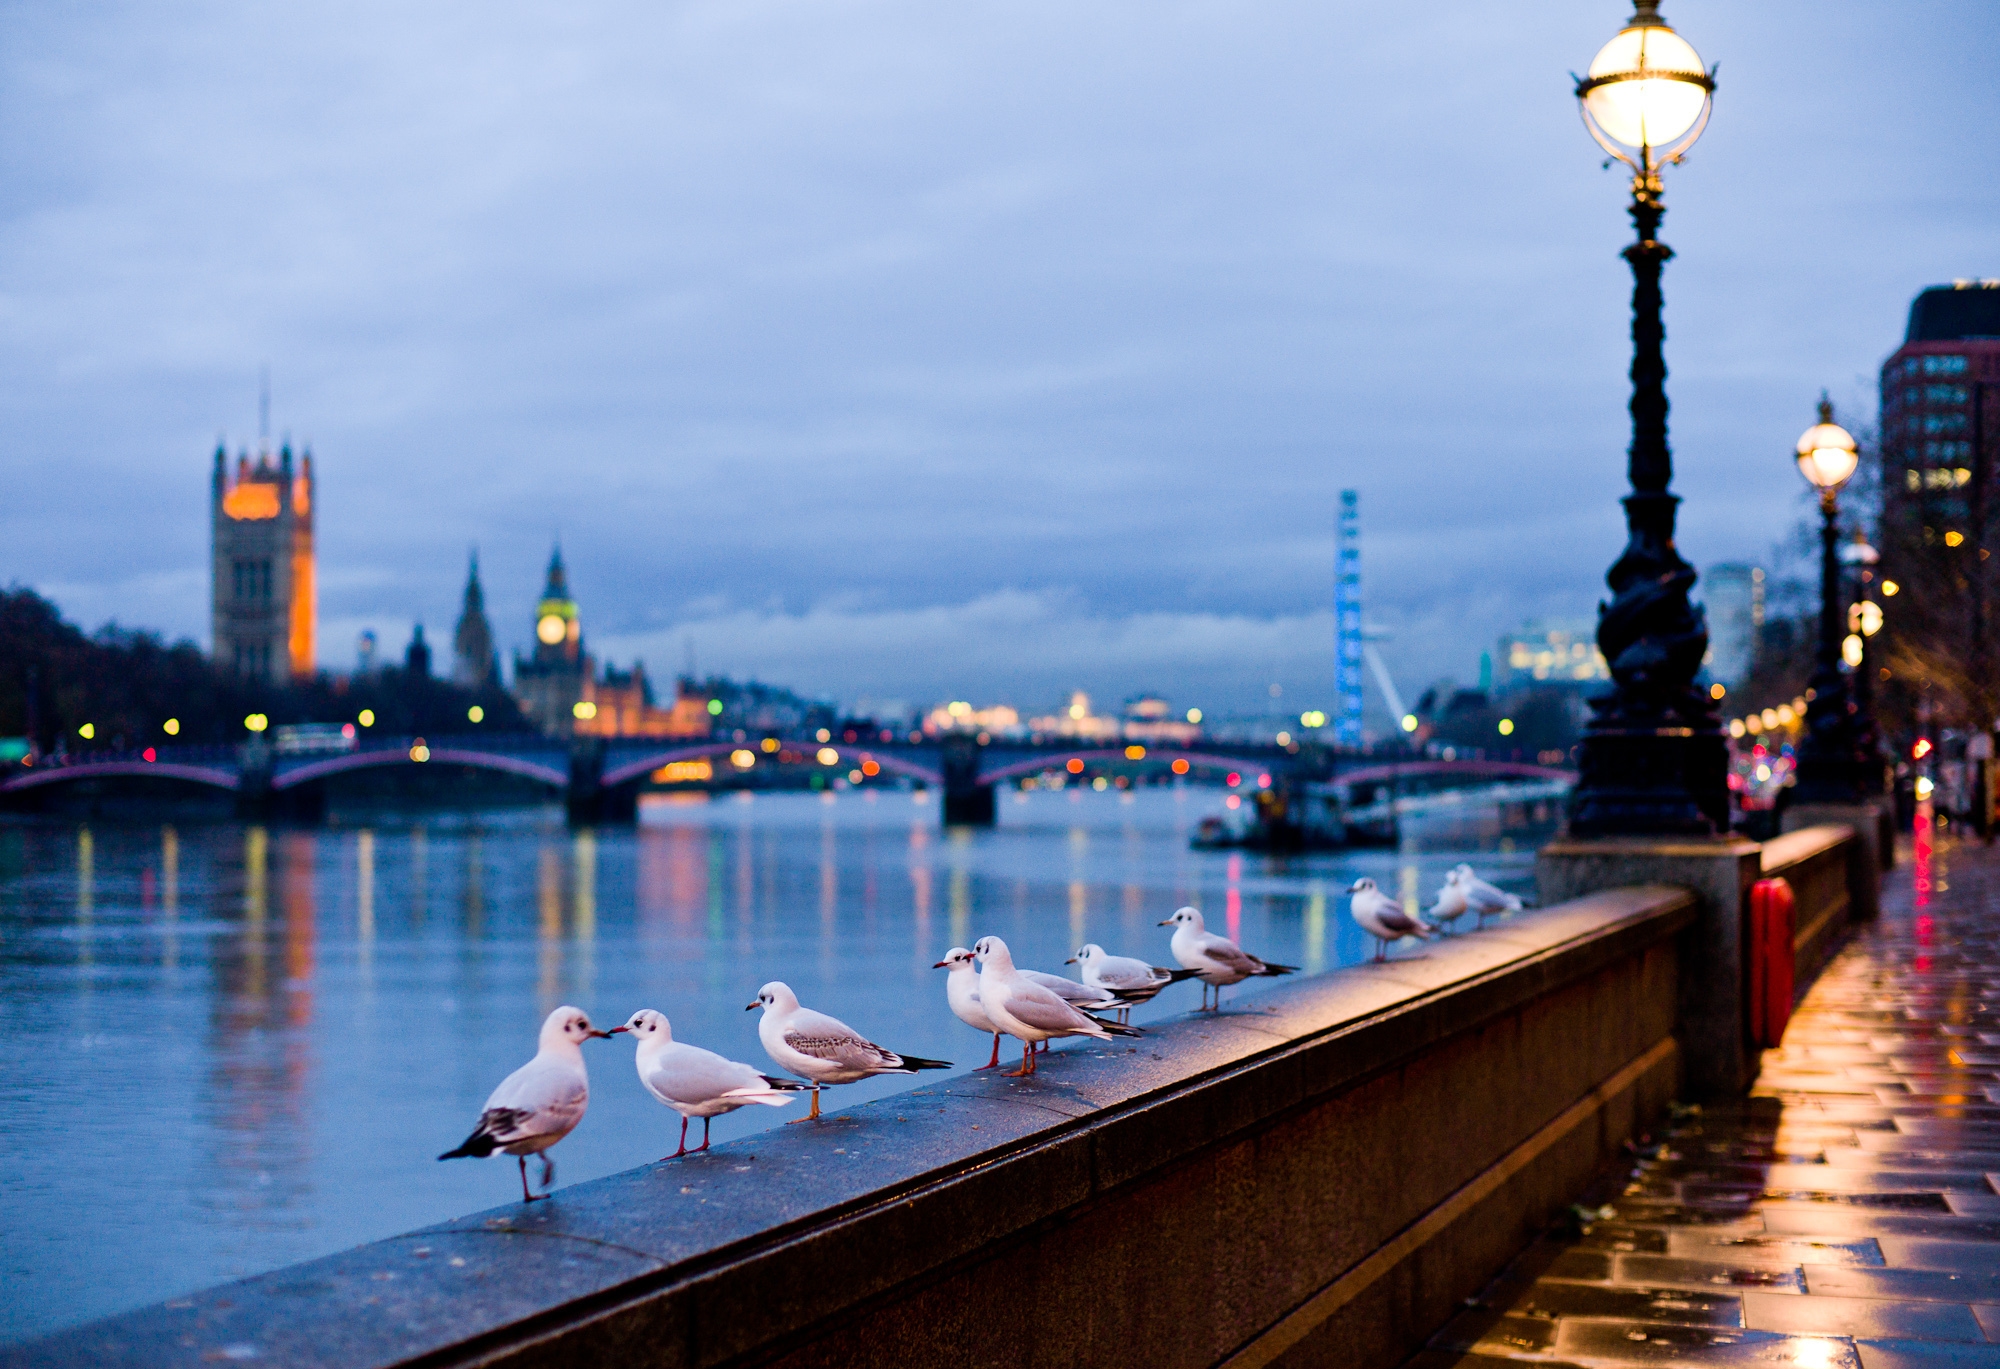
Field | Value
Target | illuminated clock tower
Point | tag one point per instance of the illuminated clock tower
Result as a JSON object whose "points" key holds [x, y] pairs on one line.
{"points": [[550, 682]]}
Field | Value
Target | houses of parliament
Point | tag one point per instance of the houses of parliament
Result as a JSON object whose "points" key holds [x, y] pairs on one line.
{"points": [[264, 614]]}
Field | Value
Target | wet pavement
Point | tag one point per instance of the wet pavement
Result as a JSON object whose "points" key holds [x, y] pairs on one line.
{"points": [[1847, 1213]]}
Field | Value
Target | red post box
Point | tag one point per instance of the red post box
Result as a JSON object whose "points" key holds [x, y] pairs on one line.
{"points": [[1772, 925]]}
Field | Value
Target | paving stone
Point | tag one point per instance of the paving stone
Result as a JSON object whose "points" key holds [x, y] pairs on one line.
{"points": [[1912, 1285], [1917, 1354], [1655, 1344], [1845, 1316]]}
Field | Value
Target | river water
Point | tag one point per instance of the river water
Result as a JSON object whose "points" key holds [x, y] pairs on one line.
{"points": [[233, 1047]]}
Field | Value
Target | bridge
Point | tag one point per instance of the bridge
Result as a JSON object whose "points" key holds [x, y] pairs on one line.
{"points": [[600, 779]]}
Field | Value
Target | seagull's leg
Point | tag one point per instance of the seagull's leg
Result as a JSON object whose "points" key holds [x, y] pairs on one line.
{"points": [[1027, 1061], [526, 1196], [994, 1063], [548, 1173], [704, 1135], [684, 1140], [810, 1115]]}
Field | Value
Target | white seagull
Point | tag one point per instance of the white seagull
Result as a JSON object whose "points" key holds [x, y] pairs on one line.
{"points": [[961, 991], [1216, 960], [695, 1082], [1130, 981], [822, 1049], [1483, 898], [1029, 1011], [1383, 918], [1451, 903], [538, 1104]]}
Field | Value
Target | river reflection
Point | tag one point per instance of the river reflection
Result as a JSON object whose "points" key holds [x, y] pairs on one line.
{"points": [[233, 1047]]}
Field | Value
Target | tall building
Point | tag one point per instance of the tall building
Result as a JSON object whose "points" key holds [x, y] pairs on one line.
{"points": [[1735, 597], [550, 681], [474, 662], [264, 613], [1940, 420]]}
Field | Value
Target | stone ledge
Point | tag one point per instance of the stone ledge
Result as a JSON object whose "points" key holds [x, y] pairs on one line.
{"points": [[754, 1244]]}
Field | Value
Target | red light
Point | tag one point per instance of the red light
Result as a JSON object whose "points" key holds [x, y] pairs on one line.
{"points": [[1263, 781], [149, 754], [1234, 779], [1921, 749], [347, 731]]}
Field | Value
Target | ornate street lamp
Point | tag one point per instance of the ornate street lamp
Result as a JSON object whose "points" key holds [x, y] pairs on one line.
{"points": [[1864, 620], [1653, 757], [1830, 766]]}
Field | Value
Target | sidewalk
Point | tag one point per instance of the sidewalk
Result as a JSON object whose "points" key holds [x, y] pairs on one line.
{"points": [[1846, 1214]]}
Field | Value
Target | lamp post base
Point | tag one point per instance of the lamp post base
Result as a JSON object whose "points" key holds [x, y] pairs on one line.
{"points": [[1651, 781]]}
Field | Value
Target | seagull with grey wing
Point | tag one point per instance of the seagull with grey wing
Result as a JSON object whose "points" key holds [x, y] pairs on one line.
{"points": [[1216, 960], [538, 1104], [1129, 981], [822, 1049], [695, 1082], [1482, 897], [1451, 904], [1384, 918], [961, 992], [1028, 1011]]}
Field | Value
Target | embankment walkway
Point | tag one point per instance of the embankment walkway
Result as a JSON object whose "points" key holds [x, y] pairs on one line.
{"points": [[1846, 1214]]}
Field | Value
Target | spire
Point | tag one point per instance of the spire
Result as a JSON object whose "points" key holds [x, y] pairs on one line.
{"points": [[475, 597], [474, 662], [558, 586]]}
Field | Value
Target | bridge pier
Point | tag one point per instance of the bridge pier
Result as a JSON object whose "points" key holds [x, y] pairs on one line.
{"points": [[967, 802], [589, 800]]}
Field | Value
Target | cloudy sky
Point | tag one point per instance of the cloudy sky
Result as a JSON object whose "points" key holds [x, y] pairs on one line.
{"points": [[918, 350]]}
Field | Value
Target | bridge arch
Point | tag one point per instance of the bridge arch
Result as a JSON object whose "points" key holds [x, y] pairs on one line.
{"points": [[90, 770], [1206, 760], [439, 755], [629, 771]]}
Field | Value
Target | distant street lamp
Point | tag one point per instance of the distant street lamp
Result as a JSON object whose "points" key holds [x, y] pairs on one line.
{"points": [[1653, 758], [1830, 765], [1864, 620]]}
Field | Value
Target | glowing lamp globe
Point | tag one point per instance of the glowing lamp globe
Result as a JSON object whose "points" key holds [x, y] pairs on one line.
{"points": [[1646, 96], [551, 629], [1827, 453]]}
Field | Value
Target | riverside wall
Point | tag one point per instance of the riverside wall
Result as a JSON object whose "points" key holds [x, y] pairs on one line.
{"points": [[1316, 1176]]}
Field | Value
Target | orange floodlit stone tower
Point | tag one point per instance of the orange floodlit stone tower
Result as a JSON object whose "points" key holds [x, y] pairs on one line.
{"points": [[265, 611]]}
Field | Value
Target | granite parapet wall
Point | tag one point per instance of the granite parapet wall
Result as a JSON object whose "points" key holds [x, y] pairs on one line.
{"points": [[1315, 1176]]}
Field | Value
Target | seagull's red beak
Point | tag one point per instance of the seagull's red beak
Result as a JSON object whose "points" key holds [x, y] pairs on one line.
{"points": [[615, 1030], [605, 1035], [941, 964]]}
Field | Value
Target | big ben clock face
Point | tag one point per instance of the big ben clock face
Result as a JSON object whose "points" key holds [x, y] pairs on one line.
{"points": [[551, 629]]}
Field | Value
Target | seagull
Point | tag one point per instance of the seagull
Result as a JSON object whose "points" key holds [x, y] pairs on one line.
{"points": [[1081, 996], [1130, 981], [1451, 903], [1483, 898], [1383, 918], [961, 990], [695, 1082], [822, 1049], [538, 1104], [1215, 960], [1025, 1009]]}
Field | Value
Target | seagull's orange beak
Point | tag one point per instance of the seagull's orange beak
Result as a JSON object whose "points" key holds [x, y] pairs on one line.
{"points": [[941, 964], [751, 1007], [614, 1031]]}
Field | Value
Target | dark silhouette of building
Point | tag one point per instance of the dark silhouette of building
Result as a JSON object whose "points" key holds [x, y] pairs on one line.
{"points": [[475, 664], [417, 656]]}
